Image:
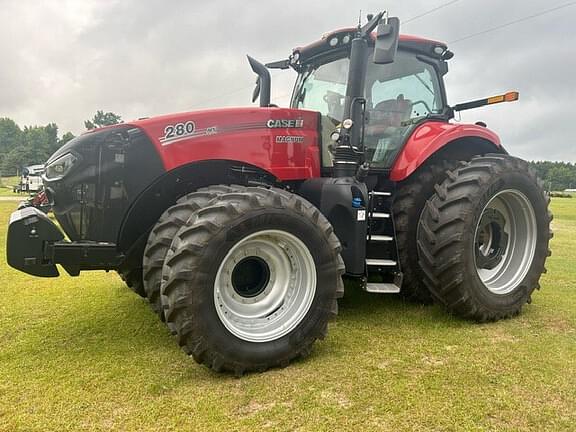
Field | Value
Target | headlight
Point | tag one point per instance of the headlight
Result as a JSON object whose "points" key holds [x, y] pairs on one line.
{"points": [[335, 136], [347, 124], [60, 167]]}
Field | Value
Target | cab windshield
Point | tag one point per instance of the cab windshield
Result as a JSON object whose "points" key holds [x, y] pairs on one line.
{"points": [[396, 93]]}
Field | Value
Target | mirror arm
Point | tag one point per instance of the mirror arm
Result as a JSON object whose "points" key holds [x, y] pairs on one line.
{"points": [[281, 64], [371, 25]]}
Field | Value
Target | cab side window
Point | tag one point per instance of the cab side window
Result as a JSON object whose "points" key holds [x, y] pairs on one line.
{"points": [[407, 86], [396, 93]]}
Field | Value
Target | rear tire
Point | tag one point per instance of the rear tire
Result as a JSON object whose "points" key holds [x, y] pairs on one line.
{"points": [[163, 233], [239, 320], [409, 200], [483, 238]]}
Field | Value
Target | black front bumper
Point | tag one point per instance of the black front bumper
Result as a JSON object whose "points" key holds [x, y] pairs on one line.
{"points": [[35, 245]]}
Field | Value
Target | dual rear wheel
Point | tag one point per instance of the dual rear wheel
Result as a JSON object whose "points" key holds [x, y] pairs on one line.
{"points": [[483, 238], [249, 278]]}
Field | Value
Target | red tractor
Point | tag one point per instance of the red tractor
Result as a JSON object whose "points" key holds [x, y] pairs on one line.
{"points": [[238, 224]]}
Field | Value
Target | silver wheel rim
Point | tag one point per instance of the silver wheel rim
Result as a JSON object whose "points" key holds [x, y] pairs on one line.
{"points": [[505, 241], [265, 286]]}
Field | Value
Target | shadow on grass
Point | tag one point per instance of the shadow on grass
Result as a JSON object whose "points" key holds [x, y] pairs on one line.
{"points": [[357, 305]]}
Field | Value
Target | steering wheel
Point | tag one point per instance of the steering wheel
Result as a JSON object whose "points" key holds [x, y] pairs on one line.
{"points": [[420, 102]]}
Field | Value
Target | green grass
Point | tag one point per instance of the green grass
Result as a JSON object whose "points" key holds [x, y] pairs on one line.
{"points": [[6, 185], [86, 354]]}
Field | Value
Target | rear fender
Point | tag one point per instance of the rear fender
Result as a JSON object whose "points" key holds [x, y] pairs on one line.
{"points": [[432, 137]]}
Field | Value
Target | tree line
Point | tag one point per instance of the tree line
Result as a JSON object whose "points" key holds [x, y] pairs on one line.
{"points": [[20, 147], [31, 145], [557, 176]]}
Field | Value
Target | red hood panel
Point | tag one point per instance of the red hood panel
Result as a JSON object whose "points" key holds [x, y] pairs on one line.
{"points": [[280, 140]]}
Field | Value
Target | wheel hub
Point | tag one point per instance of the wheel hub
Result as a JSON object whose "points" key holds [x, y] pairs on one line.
{"points": [[265, 286], [505, 241], [491, 240], [250, 277]]}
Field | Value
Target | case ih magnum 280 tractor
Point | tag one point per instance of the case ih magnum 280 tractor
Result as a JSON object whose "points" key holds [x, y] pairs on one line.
{"points": [[238, 224]]}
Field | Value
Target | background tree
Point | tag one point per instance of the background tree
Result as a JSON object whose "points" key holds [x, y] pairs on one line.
{"points": [[10, 137], [101, 119], [68, 136], [41, 141], [29, 146], [557, 176]]}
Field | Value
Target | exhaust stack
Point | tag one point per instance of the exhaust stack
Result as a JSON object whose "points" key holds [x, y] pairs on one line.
{"points": [[263, 84]]}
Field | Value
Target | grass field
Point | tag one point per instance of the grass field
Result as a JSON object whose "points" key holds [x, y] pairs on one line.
{"points": [[86, 354], [6, 185]]}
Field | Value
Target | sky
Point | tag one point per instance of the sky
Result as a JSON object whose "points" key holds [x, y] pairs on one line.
{"points": [[65, 59]]}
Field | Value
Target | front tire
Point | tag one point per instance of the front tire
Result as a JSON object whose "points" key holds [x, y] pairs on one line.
{"points": [[132, 277], [483, 238], [252, 280], [163, 233]]}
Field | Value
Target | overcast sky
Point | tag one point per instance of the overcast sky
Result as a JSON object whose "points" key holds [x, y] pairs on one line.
{"points": [[65, 59]]}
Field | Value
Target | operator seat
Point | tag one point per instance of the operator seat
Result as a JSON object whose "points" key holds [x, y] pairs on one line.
{"points": [[385, 122], [389, 113]]}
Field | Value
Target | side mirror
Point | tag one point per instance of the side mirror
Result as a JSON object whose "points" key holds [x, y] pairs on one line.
{"points": [[386, 44]]}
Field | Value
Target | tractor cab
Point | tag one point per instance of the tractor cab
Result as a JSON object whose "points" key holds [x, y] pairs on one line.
{"points": [[398, 95], [372, 87]]}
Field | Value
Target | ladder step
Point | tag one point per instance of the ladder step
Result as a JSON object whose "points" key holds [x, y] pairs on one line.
{"points": [[380, 193], [380, 262], [378, 215], [382, 288], [383, 238]]}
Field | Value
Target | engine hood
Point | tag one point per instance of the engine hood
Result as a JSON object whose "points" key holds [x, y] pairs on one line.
{"points": [[278, 140]]}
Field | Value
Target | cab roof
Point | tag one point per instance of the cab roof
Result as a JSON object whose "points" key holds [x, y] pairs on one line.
{"points": [[342, 38]]}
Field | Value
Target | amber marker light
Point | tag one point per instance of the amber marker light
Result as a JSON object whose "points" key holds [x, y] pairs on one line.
{"points": [[511, 96], [496, 99], [507, 97]]}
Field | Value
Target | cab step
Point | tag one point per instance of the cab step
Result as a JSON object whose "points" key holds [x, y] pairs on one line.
{"points": [[381, 238], [382, 288], [380, 262]]}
